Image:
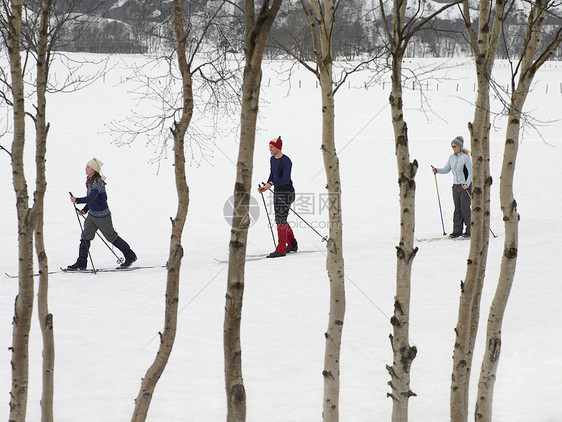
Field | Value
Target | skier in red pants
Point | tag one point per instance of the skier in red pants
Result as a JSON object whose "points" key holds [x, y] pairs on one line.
{"points": [[283, 197]]}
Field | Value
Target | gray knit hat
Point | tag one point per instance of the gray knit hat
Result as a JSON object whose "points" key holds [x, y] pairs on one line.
{"points": [[458, 141]]}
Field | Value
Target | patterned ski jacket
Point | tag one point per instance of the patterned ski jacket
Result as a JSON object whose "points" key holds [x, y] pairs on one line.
{"points": [[96, 200], [462, 169]]}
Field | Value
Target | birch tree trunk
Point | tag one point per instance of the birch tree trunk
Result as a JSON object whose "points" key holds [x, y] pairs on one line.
{"points": [[334, 259], [486, 383], [321, 16], [24, 300], [256, 34], [484, 47], [399, 32], [403, 353], [167, 338], [41, 130], [528, 68]]}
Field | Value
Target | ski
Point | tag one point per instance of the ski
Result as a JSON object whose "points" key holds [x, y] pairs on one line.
{"points": [[98, 270], [111, 270], [248, 258], [34, 275], [433, 239], [260, 256]]}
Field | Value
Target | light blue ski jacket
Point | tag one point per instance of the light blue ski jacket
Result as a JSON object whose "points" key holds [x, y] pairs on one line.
{"points": [[458, 164]]}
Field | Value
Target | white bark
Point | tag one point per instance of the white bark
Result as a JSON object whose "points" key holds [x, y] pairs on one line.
{"points": [[321, 16], [399, 32], [24, 300], [484, 47], [403, 353], [167, 337], [528, 68], [41, 129], [257, 32]]}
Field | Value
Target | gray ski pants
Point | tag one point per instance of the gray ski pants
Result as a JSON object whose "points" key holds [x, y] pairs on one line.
{"points": [[461, 215], [103, 224]]}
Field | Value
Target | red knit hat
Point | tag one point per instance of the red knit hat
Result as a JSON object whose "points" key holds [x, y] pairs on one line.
{"points": [[277, 143]]}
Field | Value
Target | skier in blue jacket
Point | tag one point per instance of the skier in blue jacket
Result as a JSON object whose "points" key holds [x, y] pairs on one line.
{"points": [[99, 218], [283, 197], [461, 166]]}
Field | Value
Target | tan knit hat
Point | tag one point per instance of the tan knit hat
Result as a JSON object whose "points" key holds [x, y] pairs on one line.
{"points": [[95, 165]]}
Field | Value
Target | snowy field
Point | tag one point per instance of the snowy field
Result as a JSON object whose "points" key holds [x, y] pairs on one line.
{"points": [[106, 325]]}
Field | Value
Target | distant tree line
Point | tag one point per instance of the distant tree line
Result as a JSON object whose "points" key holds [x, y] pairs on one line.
{"points": [[138, 27]]}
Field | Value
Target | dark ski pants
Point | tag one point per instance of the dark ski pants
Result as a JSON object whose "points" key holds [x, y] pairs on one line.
{"points": [[282, 200], [461, 215], [105, 226]]}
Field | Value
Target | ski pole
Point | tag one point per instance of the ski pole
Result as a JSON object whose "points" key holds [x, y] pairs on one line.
{"points": [[268, 219], [439, 200], [470, 196], [324, 238], [82, 232], [119, 260]]}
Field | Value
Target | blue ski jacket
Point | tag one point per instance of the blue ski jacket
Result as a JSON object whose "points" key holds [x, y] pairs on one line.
{"points": [[280, 173], [461, 166], [96, 200]]}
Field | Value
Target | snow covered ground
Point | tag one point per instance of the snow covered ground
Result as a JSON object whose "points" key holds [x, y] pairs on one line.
{"points": [[106, 325]]}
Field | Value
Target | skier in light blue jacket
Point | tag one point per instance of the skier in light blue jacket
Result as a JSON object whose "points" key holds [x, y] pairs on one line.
{"points": [[461, 166]]}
